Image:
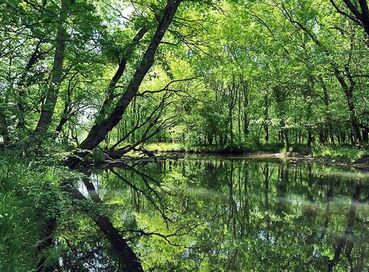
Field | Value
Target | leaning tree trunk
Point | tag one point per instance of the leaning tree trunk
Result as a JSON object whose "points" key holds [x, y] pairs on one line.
{"points": [[103, 126], [128, 50], [48, 107]]}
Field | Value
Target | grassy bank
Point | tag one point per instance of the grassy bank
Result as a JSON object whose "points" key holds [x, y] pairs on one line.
{"points": [[345, 154], [29, 197]]}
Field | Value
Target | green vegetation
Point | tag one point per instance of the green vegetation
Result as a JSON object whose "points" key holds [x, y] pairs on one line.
{"points": [[230, 74], [29, 196], [343, 154], [347, 154], [95, 83]]}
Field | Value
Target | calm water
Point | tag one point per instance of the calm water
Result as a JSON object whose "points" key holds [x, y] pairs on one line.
{"points": [[232, 215]]}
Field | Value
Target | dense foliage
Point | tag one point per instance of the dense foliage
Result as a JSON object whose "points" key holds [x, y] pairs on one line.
{"points": [[226, 73], [94, 80]]}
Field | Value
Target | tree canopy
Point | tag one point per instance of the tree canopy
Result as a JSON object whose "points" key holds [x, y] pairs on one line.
{"points": [[87, 81], [118, 74]]}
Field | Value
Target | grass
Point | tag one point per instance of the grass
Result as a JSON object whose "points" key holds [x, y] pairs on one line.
{"points": [[342, 153], [28, 197], [347, 154]]}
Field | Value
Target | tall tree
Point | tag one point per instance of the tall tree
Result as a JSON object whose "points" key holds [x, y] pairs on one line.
{"points": [[48, 107], [103, 125]]}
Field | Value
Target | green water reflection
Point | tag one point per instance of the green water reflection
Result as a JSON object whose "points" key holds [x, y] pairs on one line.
{"points": [[231, 215]]}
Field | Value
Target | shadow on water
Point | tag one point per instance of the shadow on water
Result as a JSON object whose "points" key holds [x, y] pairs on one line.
{"points": [[225, 215]]}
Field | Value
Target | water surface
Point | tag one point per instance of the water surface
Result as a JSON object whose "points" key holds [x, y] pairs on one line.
{"points": [[221, 214]]}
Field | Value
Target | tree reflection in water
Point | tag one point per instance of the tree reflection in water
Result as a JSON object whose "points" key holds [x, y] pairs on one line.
{"points": [[222, 215]]}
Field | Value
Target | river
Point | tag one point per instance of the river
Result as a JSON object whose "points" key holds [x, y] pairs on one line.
{"points": [[228, 214]]}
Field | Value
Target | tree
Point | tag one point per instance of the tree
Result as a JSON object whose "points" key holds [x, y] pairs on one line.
{"points": [[359, 12], [48, 107]]}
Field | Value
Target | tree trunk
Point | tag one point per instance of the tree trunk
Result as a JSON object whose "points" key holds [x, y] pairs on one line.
{"points": [[328, 114], [120, 71], [4, 133], [360, 16], [246, 103], [47, 110], [266, 117], [103, 126], [310, 138], [348, 90], [239, 117], [22, 85], [353, 118]]}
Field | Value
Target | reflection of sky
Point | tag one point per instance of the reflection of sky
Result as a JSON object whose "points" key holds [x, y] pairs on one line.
{"points": [[264, 236], [82, 188], [94, 179]]}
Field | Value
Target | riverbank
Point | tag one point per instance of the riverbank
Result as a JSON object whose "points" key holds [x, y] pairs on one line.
{"points": [[328, 155]]}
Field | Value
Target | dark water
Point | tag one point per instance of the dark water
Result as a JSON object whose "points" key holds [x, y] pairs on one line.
{"points": [[232, 215]]}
